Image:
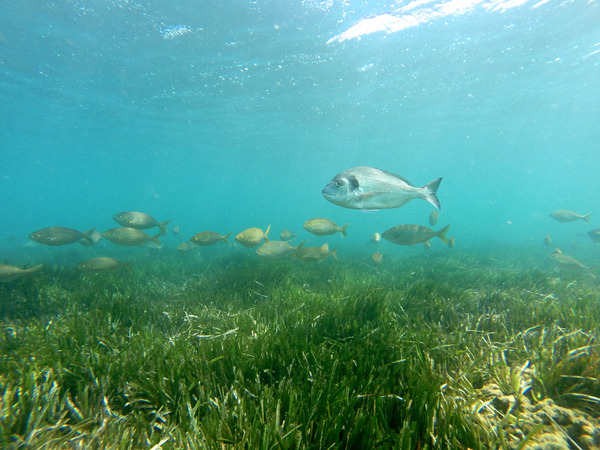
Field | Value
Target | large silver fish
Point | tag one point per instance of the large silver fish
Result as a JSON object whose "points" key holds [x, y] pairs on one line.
{"points": [[372, 189]]}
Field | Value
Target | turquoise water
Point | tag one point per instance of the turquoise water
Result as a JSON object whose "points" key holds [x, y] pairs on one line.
{"points": [[228, 115]]}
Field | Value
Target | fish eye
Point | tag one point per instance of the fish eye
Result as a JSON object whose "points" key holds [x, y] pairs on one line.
{"points": [[339, 183]]}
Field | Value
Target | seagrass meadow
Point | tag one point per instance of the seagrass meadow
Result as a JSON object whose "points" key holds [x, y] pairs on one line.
{"points": [[444, 350]]}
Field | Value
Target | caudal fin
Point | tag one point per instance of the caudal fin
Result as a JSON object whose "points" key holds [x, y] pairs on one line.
{"points": [[430, 192], [163, 227], [442, 234], [267, 233], [156, 241], [34, 269], [587, 217], [343, 230], [224, 238]]}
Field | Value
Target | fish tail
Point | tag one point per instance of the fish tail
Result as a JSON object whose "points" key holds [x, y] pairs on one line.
{"points": [[224, 238], [156, 241], [300, 245], [128, 266], [34, 269], [587, 217], [267, 233], [343, 230], [334, 253], [163, 227], [442, 234], [430, 192], [88, 234]]}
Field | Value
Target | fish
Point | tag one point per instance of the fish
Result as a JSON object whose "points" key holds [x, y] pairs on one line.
{"points": [[55, 236], [451, 242], [276, 249], [206, 238], [176, 230], [548, 240], [376, 238], [130, 236], [324, 227], [434, 216], [414, 234], [9, 273], [372, 189], [314, 254], [286, 235], [569, 263], [252, 237], [92, 239], [140, 221], [103, 264], [427, 245], [564, 215], [185, 247], [377, 258], [595, 235]]}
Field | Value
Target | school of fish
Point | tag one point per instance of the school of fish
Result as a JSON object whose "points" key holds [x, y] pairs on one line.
{"points": [[363, 188]]}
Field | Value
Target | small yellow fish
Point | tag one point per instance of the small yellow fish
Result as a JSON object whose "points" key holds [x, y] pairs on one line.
{"points": [[547, 241], [451, 242], [276, 249], [377, 258], [414, 234], [185, 247], [59, 236], [130, 237], [9, 273], [564, 215], [434, 216], [252, 237], [314, 254], [103, 264], [286, 235], [141, 221], [376, 238], [324, 227], [206, 238]]}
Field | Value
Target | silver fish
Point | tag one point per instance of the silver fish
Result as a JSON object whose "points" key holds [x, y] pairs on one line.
{"points": [[103, 264], [141, 221], [61, 236], [130, 236], [9, 273], [564, 215], [372, 189]]}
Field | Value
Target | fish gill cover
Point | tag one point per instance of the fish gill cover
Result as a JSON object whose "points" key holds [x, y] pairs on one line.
{"points": [[476, 328]]}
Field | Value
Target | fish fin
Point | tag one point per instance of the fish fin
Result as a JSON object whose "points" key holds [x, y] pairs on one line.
{"points": [[586, 218], [156, 241], [442, 234], [267, 233], [163, 227], [430, 192], [224, 238], [300, 245], [87, 234], [325, 247], [34, 269], [343, 230], [364, 195], [334, 253], [128, 266]]}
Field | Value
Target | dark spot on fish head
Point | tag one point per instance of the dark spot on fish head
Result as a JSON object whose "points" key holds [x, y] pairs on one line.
{"points": [[353, 183]]}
